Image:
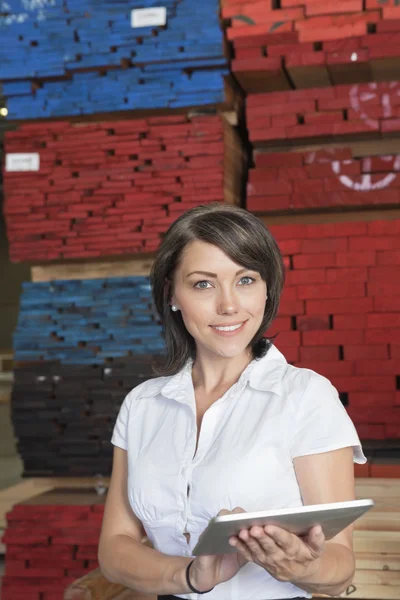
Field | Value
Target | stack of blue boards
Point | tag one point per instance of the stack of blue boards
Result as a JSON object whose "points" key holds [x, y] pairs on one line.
{"points": [[68, 58], [86, 321]]}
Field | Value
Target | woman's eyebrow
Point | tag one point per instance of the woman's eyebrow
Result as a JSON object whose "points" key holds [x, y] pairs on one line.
{"points": [[208, 274]]}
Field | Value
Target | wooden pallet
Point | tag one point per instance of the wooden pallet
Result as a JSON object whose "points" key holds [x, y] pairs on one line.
{"points": [[360, 148], [274, 75], [120, 267], [377, 542]]}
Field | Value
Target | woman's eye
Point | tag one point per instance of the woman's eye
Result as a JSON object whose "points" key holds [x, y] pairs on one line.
{"points": [[250, 279], [201, 287]]}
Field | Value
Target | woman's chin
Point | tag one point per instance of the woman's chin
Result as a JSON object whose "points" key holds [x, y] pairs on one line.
{"points": [[228, 350]]}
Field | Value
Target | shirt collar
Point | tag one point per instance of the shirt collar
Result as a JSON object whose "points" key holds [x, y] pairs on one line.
{"points": [[263, 374], [268, 371]]}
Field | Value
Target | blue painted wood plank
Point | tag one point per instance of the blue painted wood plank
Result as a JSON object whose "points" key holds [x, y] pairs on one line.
{"points": [[65, 321]]}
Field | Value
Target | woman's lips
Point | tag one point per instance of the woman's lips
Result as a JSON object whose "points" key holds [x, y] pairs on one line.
{"points": [[228, 333]]}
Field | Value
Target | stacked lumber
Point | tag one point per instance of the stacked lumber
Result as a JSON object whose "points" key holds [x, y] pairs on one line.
{"points": [[313, 19], [64, 414], [80, 346], [54, 536], [86, 321], [120, 90], [76, 58], [339, 315], [377, 542], [114, 187], [31, 488], [369, 110], [51, 541], [309, 43], [376, 546], [90, 35], [332, 178]]}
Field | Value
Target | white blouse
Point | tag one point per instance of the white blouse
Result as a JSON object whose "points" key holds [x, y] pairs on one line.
{"points": [[248, 440]]}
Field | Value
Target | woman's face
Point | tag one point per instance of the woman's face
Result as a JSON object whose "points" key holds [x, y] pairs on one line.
{"points": [[212, 291]]}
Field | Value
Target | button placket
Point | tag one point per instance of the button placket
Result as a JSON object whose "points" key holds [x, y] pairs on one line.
{"points": [[208, 426], [196, 455], [188, 471], [187, 477], [204, 436]]}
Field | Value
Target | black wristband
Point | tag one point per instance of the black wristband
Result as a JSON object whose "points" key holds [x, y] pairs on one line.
{"points": [[190, 585]]}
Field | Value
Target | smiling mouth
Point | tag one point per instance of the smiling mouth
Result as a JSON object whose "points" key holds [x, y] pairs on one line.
{"points": [[228, 328]]}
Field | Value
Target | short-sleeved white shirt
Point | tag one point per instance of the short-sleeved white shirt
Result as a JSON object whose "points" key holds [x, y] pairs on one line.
{"points": [[248, 440]]}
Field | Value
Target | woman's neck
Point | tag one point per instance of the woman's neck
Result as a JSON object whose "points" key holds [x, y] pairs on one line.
{"points": [[210, 374]]}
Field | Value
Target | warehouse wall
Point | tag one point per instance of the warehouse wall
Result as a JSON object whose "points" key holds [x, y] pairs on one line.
{"points": [[11, 277]]}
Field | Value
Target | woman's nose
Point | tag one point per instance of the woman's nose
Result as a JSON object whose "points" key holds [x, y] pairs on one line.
{"points": [[227, 303]]}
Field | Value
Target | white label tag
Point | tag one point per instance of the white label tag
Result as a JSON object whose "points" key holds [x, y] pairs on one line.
{"points": [[149, 17], [22, 162]]}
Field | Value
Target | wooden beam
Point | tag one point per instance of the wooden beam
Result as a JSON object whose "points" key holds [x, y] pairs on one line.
{"points": [[331, 217], [92, 269]]}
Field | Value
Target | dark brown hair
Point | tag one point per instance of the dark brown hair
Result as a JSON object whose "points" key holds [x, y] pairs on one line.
{"points": [[243, 238]]}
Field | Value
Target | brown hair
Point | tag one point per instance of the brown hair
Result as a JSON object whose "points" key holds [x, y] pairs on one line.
{"points": [[245, 239]]}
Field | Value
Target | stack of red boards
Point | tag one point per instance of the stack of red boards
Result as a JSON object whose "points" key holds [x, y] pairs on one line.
{"points": [[322, 180], [51, 541], [312, 42], [369, 110], [111, 188], [339, 314]]}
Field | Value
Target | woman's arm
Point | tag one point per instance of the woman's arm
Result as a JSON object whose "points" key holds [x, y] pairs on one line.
{"points": [[123, 558], [143, 569], [324, 478]]}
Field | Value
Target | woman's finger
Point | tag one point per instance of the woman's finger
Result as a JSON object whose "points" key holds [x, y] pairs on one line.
{"points": [[238, 509], [241, 547], [263, 547], [316, 540], [253, 543], [286, 541], [261, 550], [266, 542]]}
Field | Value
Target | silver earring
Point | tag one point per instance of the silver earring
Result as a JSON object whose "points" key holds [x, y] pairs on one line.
{"points": [[267, 297], [174, 308]]}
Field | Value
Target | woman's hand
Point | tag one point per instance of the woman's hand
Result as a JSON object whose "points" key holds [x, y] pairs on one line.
{"points": [[209, 570], [287, 557]]}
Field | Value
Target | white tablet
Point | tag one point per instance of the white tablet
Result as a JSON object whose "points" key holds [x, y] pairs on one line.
{"points": [[332, 517]]}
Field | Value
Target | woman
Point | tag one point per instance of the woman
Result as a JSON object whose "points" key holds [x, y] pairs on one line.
{"points": [[228, 427]]}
